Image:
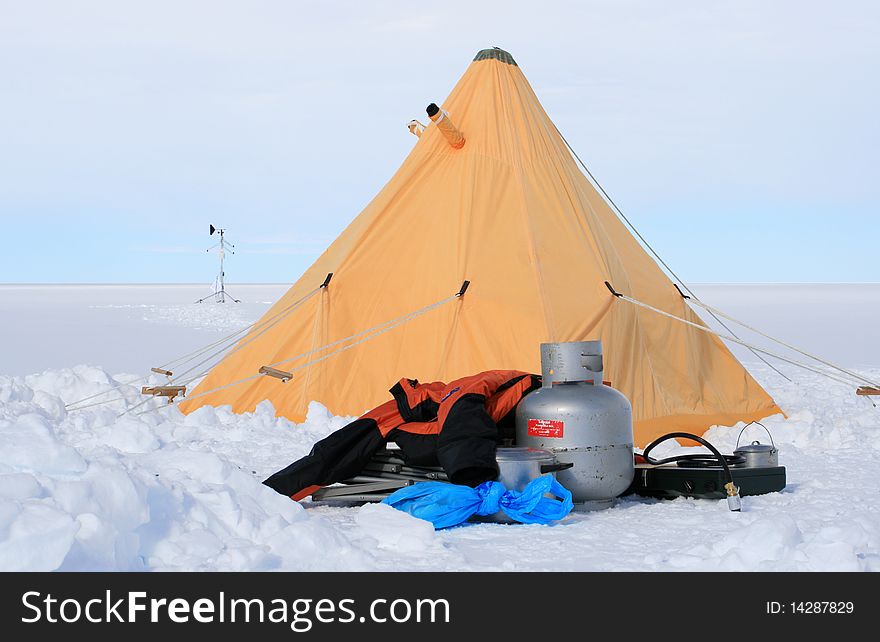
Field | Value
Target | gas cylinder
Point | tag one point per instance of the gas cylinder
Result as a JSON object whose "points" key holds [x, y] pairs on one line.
{"points": [[582, 421]]}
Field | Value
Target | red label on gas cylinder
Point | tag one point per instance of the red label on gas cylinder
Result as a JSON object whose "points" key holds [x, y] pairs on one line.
{"points": [[546, 428]]}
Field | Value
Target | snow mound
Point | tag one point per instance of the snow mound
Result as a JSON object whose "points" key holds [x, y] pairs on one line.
{"points": [[92, 490], [393, 529], [87, 490]]}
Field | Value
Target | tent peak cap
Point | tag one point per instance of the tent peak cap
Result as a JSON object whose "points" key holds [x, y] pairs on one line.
{"points": [[494, 53]]}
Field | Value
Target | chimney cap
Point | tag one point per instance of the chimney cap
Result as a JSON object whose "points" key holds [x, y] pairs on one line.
{"points": [[495, 54]]}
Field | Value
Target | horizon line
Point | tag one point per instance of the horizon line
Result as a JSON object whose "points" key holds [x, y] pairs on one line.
{"points": [[290, 283]]}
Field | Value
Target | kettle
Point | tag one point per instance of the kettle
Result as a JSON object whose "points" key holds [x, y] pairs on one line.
{"points": [[756, 454]]}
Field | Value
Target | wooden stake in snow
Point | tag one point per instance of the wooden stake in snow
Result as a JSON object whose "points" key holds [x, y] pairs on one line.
{"points": [[164, 391]]}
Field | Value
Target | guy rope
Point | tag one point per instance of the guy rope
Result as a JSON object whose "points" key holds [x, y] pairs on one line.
{"points": [[657, 256], [358, 338], [222, 345], [846, 379]]}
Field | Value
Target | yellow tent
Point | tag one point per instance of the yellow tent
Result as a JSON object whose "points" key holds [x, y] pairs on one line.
{"points": [[512, 213]]}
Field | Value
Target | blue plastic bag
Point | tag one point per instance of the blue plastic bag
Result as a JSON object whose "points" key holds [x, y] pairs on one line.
{"points": [[446, 505]]}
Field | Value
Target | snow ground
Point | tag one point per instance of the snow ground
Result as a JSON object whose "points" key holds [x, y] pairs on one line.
{"points": [[87, 490]]}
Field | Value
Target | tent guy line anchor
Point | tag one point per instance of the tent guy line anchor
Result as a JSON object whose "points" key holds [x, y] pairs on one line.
{"points": [[278, 374], [164, 369], [739, 341], [276, 320], [249, 339], [171, 392], [192, 355], [246, 341], [365, 335], [378, 329], [867, 392], [710, 309]]}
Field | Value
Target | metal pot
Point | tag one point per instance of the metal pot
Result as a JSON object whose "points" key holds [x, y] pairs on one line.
{"points": [[517, 467], [756, 454]]}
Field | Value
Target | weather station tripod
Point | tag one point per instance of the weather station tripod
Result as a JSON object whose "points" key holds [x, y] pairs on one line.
{"points": [[220, 294]]}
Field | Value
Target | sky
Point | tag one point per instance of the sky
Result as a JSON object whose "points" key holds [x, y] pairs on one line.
{"points": [[740, 137]]}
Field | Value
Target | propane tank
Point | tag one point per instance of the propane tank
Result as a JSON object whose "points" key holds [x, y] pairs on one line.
{"points": [[581, 421]]}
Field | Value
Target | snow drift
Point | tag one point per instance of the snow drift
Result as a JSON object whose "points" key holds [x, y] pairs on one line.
{"points": [[88, 490]]}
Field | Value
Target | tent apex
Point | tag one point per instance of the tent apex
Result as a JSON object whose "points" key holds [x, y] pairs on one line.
{"points": [[494, 53]]}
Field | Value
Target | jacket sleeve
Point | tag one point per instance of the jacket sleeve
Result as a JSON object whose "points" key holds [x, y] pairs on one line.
{"points": [[340, 455]]}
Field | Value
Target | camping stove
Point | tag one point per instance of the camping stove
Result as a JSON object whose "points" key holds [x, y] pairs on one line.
{"points": [[669, 481], [754, 468]]}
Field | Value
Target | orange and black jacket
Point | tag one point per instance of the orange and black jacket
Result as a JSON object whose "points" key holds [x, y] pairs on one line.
{"points": [[455, 425]]}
